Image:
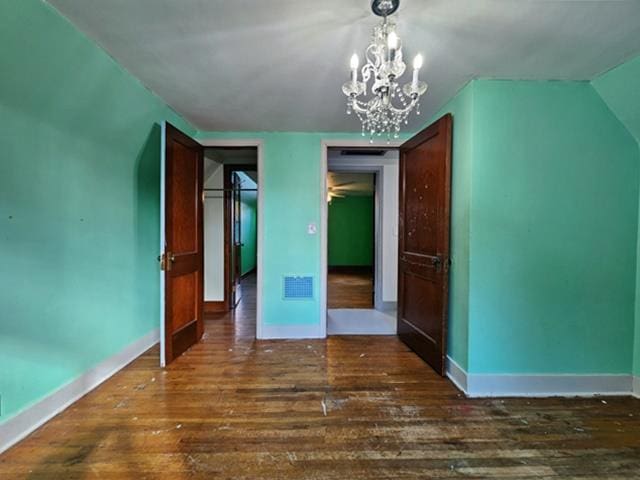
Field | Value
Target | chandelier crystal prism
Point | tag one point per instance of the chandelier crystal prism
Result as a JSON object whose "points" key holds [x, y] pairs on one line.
{"points": [[389, 104]]}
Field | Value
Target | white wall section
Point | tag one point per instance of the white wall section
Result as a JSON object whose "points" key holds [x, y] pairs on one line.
{"points": [[213, 232]]}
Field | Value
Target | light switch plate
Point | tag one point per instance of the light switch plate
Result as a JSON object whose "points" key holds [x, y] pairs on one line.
{"points": [[312, 229]]}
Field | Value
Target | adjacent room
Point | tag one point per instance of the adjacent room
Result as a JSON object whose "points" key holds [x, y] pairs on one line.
{"points": [[320, 240], [362, 237], [351, 231]]}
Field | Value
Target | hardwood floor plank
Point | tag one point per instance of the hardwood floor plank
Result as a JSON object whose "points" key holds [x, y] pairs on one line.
{"points": [[342, 408], [350, 289]]}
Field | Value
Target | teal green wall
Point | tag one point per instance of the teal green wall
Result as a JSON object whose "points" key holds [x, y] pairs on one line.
{"points": [[553, 231], [79, 204], [248, 225], [350, 235], [461, 108], [619, 89], [291, 191]]}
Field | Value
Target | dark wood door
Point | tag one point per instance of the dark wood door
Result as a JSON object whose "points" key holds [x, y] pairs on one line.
{"points": [[423, 255], [236, 242], [183, 259]]}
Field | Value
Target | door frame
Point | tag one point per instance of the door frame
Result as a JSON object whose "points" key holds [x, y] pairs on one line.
{"points": [[325, 145], [213, 142]]}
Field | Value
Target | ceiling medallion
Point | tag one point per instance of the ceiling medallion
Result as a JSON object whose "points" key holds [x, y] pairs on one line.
{"points": [[383, 68]]}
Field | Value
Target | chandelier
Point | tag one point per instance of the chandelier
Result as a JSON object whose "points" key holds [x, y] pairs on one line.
{"points": [[389, 105]]}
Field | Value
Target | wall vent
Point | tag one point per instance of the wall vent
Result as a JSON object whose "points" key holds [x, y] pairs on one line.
{"points": [[298, 287], [369, 152]]}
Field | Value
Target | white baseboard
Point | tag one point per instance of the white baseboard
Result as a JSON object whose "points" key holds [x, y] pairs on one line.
{"points": [[479, 385], [490, 385], [457, 374], [281, 332], [636, 387], [25, 422]]}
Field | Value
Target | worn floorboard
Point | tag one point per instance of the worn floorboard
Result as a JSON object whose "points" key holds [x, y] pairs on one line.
{"points": [[343, 408]]}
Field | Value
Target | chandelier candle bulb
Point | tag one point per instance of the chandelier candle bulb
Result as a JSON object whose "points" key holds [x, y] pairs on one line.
{"points": [[417, 64], [392, 43], [354, 67]]}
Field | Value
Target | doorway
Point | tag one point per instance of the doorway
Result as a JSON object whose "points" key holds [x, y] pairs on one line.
{"points": [[361, 245], [421, 231], [351, 242], [230, 227]]}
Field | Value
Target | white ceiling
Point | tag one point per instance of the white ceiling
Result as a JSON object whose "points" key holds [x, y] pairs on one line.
{"points": [[279, 64]]}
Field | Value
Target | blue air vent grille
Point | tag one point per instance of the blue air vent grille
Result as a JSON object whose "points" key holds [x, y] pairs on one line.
{"points": [[298, 287]]}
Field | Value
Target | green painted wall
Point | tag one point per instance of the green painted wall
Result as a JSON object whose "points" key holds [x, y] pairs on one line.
{"points": [[553, 231], [292, 196], [619, 89], [461, 108], [248, 225], [350, 236], [79, 204]]}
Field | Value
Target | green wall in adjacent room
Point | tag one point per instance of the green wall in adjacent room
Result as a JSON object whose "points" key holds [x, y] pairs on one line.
{"points": [[553, 226], [619, 89], [350, 235], [249, 225], [79, 204]]}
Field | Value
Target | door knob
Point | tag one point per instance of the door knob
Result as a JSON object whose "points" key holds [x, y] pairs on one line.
{"points": [[166, 261]]}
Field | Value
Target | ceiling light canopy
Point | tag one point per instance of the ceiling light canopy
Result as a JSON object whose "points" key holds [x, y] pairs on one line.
{"points": [[389, 105]]}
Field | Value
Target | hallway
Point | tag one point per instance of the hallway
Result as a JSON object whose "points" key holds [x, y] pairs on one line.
{"points": [[345, 407]]}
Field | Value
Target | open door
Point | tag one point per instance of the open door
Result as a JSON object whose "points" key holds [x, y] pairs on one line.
{"points": [[423, 255], [236, 240], [182, 260]]}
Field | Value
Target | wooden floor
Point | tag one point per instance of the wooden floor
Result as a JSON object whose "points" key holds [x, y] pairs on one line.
{"points": [[350, 289], [345, 408]]}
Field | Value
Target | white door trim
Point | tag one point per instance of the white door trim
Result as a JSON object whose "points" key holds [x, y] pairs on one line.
{"points": [[163, 240], [324, 212]]}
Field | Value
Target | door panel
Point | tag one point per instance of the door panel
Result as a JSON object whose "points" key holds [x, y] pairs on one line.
{"points": [[237, 237], [183, 259], [423, 257]]}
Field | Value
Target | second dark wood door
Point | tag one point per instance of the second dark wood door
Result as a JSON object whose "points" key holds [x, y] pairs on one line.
{"points": [[423, 255]]}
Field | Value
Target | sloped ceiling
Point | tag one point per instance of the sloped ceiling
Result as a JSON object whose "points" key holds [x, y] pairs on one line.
{"points": [[279, 64], [620, 89]]}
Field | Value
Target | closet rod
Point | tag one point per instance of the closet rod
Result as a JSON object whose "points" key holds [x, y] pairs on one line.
{"points": [[230, 189]]}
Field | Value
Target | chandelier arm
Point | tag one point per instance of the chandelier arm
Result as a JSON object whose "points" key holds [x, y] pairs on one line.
{"points": [[358, 106], [403, 110]]}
